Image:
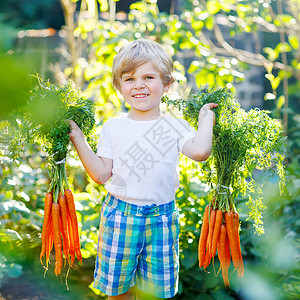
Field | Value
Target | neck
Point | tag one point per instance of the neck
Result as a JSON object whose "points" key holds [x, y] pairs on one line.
{"points": [[144, 116]]}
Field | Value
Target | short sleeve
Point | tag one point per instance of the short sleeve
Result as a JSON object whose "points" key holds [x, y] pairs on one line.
{"points": [[185, 131], [104, 147]]}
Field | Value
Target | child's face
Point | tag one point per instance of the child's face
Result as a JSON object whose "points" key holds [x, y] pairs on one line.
{"points": [[143, 89]]}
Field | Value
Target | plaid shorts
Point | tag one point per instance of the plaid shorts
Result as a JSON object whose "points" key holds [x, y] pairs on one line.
{"points": [[138, 245]]}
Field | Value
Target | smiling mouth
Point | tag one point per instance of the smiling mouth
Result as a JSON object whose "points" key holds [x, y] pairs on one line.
{"points": [[140, 95]]}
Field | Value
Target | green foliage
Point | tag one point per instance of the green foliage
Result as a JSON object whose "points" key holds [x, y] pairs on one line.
{"points": [[43, 120], [174, 32], [22, 187], [279, 247], [191, 199], [202, 61], [17, 72], [243, 142]]}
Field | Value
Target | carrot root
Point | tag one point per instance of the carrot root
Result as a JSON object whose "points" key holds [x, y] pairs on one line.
{"points": [[203, 237], [57, 238]]}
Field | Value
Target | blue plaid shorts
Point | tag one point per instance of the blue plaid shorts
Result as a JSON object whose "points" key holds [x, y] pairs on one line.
{"points": [[138, 246]]}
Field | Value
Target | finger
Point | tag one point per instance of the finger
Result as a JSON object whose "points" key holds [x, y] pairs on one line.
{"points": [[212, 105], [209, 105], [71, 122], [72, 126]]}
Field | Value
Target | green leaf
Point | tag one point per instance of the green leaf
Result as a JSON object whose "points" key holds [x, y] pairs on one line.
{"points": [[141, 6], [209, 23], [293, 40], [150, 26], [283, 73], [9, 235], [200, 77], [285, 20], [12, 205], [197, 25], [275, 83], [292, 289], [194, 66], [213, 7], [210, 79], [103, 5], [280, 102], [272, 54], [283, 47]]}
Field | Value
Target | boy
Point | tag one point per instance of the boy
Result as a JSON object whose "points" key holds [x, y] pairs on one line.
{"points": [[137, 160]]}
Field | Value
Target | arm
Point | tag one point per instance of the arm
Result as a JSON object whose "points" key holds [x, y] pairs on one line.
{"points": [[199, 147], [98, 168]]}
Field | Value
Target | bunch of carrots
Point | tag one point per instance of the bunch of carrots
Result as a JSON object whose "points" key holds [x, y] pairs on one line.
{"points": [[60, 226], [44, 120], [242, 142], [220, 234]]}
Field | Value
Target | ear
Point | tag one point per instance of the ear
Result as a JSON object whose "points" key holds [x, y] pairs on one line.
{"points": [[167, 86]]}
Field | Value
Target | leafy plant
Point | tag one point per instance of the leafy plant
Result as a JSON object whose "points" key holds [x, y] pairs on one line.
{"points": [[243, 143], [43, 120]]}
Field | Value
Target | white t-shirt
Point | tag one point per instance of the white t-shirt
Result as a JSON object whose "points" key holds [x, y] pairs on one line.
{"points": [[145, 157]]}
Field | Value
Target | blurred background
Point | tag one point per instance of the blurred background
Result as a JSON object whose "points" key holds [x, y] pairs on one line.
{"points": [[250, 47]]}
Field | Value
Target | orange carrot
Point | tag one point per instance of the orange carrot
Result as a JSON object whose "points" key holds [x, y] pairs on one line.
{"points": [[49, 241], [71, 239], [203, 237], [45, 229], [215, 237], [57, 238], [210, 231], [72, 211], [227, 251], [64, 221], [207, 259], [234, 248], [236, 224], [222, 254]]}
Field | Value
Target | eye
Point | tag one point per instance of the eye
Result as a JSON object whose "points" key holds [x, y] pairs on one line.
{"points": [[149, 77], [128, 79]]}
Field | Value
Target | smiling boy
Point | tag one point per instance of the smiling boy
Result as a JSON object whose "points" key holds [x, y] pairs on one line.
{"points": [[138, 161], [142, 90]]}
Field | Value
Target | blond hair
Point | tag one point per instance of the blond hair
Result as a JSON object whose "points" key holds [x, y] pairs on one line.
{"points": [[138, 52]]}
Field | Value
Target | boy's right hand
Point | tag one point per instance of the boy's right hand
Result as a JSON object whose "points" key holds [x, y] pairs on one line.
{"points": [[206, 112], [75, 131], [98, 168]]}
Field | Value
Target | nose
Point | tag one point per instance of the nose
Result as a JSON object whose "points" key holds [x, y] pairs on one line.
{"points": [[139, 84]]}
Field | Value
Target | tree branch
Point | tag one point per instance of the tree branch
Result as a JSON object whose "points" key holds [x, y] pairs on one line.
{"points": [[285, 79], [69, 8], [243, 55]]}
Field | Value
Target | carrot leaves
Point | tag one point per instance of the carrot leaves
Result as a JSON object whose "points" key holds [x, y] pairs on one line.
{"points": [[244, 143], [44, 121]]}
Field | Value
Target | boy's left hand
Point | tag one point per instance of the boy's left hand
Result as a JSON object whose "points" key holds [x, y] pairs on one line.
{"points": [[206, 111]]}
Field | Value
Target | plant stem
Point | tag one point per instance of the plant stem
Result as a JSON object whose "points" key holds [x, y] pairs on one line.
{"points": [[65, 178], [61, 177]]}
